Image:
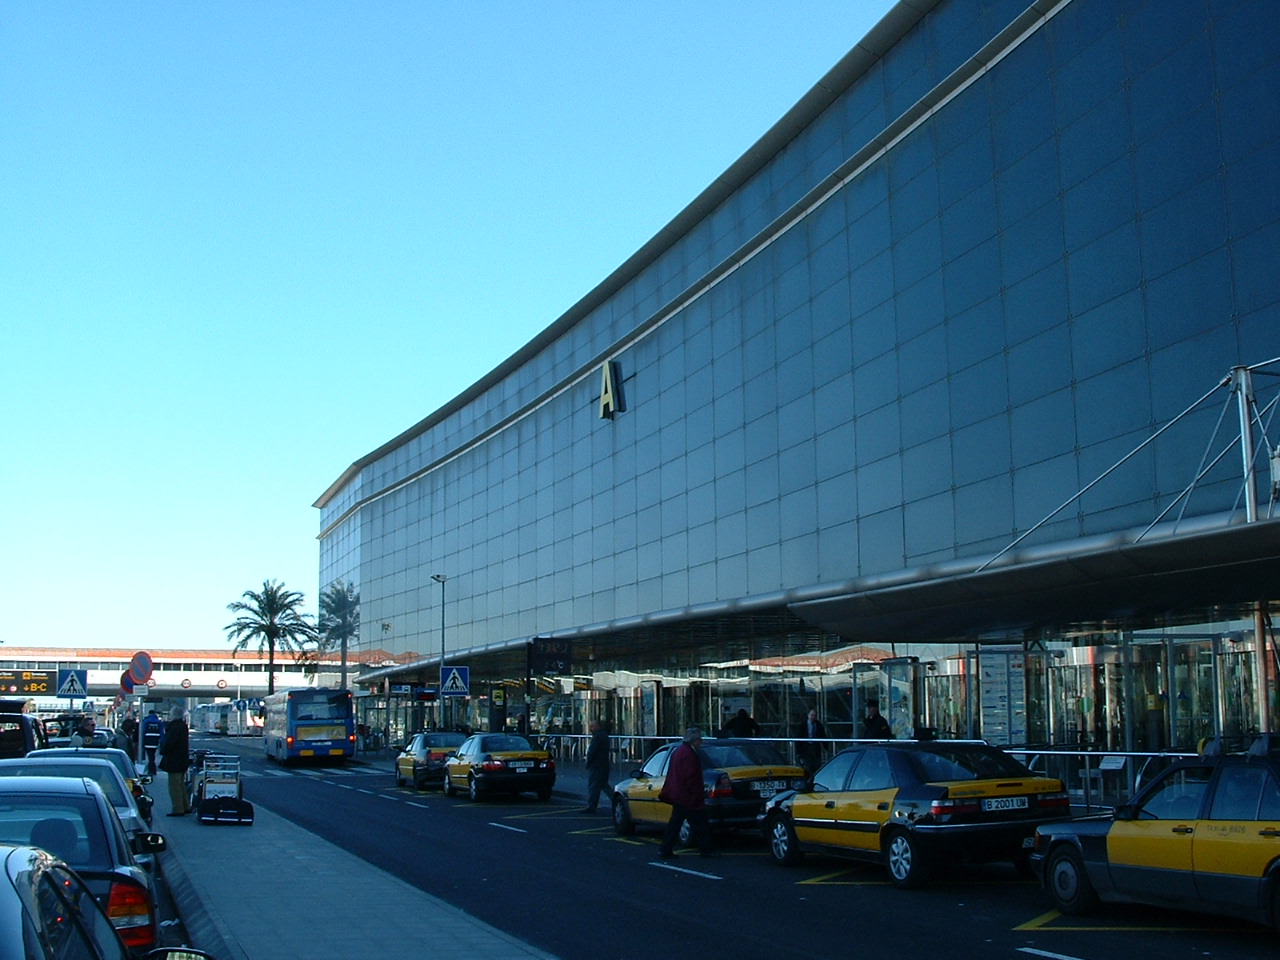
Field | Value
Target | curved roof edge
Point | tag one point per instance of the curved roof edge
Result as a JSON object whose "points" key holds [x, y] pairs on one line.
{"points": [[902, 17]]}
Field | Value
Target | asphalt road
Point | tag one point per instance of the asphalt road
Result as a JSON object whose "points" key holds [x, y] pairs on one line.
{"points": [[563, 881]]}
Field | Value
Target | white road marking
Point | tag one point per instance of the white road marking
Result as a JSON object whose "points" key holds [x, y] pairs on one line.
{"points": [[692, 873], [1046, 954], [505, 827]]}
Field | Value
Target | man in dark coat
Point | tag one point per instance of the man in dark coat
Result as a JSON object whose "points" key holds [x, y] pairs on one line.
{"points": [[876, 727], [742, 724], [175, 756], [687, 794], [597, 765]]}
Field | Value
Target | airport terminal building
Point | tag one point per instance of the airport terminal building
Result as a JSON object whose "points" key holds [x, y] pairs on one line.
{"points": [[957, 391]]}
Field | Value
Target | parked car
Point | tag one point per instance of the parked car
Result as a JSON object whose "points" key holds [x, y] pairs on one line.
{"points": [[421, 762], [489, 763], [67, 762], [910, 805], [71, 819], [20, 730], [48, 913], [739, 775], [135, 781], [1204, 835]]}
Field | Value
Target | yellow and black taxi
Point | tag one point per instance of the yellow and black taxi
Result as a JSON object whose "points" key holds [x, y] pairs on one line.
{"points": [[911, 805], [739, 775], [489, 763], [1204, 835], [421, 762]]}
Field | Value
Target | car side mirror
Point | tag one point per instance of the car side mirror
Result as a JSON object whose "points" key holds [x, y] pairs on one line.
{"points": [[150, 843], [1124, 812]]}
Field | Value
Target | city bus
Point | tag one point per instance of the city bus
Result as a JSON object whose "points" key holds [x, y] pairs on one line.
{"points": [[309, 723], [245, 717]]}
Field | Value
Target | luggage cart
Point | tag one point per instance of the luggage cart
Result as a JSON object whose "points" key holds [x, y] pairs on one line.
{"points": [[217, 793]]}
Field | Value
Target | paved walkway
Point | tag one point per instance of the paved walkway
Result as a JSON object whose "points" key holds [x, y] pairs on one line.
{"points": [[235, 889]]}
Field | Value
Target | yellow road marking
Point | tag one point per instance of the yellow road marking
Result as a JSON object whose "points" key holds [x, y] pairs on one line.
{"points": [[1041, 923]]}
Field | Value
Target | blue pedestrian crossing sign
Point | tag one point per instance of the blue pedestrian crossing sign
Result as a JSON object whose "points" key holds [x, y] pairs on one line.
{"points": [[456, 682], [73, 683]]}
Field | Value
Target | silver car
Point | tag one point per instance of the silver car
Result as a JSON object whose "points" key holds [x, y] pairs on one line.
{"points": [[135, 781], [102, 772]]}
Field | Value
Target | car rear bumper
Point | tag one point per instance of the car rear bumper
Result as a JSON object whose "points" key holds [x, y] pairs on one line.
{"points": [[516, 782], [981, 841]]}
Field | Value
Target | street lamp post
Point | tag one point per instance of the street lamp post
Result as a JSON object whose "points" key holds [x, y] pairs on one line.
{"points": [[440, 579]]}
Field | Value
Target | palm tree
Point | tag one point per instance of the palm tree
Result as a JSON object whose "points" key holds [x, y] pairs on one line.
{"points": [[340, 619], [273, 619]]}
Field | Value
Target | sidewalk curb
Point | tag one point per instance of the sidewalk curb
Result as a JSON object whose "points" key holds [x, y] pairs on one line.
{"points": [[205, 928]]}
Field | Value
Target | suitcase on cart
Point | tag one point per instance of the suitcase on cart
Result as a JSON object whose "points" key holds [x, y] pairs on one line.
{"points": [[225, 810], [217, 793]]}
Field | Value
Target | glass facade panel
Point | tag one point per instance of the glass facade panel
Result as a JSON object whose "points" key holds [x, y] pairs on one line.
{"points": [[989, 313]]}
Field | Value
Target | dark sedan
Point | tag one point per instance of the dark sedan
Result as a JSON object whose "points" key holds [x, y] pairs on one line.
{"points": [[1204, 836], [489, 763], [739, 775], [911, 805], [421, 762], [72, 819], [48, 913]]}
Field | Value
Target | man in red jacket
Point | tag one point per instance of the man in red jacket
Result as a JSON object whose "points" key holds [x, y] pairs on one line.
{"points": [[686, 793]]}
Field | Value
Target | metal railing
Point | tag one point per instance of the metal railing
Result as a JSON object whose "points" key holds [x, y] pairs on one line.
{"points": [[1095, 780]]}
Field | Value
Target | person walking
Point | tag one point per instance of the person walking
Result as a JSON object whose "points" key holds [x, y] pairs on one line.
{"points": [[129, 732], [742, 724], [876, 727], [597, 765], [152, 734], [812, 733], [175, 757], [686, 793]]}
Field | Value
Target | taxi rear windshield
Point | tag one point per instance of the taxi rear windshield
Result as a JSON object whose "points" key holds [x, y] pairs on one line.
{"points": [[506, 743], [944, 764], [743, 755]]}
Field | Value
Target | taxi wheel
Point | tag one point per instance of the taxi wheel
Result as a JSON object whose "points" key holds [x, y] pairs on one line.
{"points": [[447, 788], [399, 779], [623, 825], [783, 842], [473, 788], [1068, 884], [902, 857]]}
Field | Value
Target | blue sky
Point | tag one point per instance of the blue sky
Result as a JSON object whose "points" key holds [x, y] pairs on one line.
{"points": [[243, 244]]}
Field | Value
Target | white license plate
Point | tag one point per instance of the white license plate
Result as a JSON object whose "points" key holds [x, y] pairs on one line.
{"points": [[1005, 803], [520, 764], [769, 788]]}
